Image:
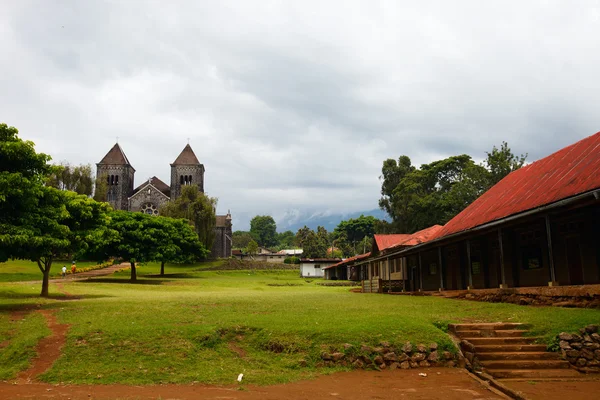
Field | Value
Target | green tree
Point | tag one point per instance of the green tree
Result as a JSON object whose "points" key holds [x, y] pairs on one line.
{"points": [[197, 208], [501, 162], [301, 236], [252, 248], [179, 242], [285, 240], [78, 179], [356, 228], [315, 244], [100, 188], [264, 229], [436, 192], [38, 222], [241, 239]]}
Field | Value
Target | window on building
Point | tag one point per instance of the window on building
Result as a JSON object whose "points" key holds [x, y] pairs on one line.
{"points": [[116, 179], [317, 266], [149, 208], [181, 179], [432, 269]]}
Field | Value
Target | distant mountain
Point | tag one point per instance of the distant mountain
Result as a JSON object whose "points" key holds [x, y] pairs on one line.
{"points": [[295, 219]]}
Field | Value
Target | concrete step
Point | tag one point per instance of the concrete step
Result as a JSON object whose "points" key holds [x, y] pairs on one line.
{"points": [[500, 340], [528, 355], [487, 326], [490, 333], [532, 374], [509, 348], [492, 365]]}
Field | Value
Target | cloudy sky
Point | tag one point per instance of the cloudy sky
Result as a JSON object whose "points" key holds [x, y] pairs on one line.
{"points": [[292, 106]]}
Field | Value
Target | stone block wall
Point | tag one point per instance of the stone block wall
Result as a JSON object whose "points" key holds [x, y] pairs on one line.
{"points": [[582, 350], [388, 356]]}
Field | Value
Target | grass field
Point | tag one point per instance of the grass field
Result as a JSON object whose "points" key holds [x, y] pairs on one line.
{"points": [[209, 326]]}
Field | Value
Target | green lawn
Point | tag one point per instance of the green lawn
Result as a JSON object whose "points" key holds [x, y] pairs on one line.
{"points": [[190, 325]]}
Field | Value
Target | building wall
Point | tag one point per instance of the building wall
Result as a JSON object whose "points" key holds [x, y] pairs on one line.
{"points": [[142, 200], [311, 270], [177, 171], [222, 245], [120, 188]]}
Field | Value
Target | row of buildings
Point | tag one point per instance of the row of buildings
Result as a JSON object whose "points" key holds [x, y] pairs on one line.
{"points": [[539, 226]]}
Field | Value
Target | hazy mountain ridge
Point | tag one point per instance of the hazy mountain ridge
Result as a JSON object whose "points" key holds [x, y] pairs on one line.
{"points": [[295, 219]]}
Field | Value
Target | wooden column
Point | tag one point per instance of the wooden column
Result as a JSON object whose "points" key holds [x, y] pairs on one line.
{"points": [[469, 265], [502, 271], [389, 276], [420, 273], [440, 268], [550, 254]]}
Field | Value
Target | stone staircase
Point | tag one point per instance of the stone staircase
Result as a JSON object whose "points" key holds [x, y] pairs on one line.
{"points": [[502, 351]]}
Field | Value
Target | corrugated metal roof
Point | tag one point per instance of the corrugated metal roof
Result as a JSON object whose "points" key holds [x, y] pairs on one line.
{"points": [[384, 241], [350, 260], [418, 237], [186, 157], [570, 171]]}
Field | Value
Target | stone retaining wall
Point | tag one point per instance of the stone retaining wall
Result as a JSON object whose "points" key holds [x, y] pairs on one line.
{"points": [[587, 296], [582, 350], [388, 356]]}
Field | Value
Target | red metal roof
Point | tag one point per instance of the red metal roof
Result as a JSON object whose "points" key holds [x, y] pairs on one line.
{"points": [[349, 260], [384, 241], [419, 237], [571, 171]]}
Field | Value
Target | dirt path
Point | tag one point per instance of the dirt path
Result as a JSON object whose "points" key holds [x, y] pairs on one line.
{"points": [[90, 274], [48, 349], [440, 383]]}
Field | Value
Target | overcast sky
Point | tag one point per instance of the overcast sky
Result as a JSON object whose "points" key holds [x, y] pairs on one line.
{"points": [[292, 106]]}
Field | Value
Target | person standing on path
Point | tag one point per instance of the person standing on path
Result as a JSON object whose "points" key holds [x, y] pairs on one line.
{"points": [[73, 267], [64, 271]]}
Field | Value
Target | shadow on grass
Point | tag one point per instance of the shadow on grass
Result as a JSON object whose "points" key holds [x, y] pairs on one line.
{"points": [[124, 281], [182, 275]]}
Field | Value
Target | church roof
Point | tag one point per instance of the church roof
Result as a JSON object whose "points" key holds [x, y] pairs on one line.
{"points": [[157, 183], [186, 157], [115, 156]]}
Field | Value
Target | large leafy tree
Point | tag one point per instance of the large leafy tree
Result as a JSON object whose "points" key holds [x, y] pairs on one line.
{"points": [[241, 239], [356, 228], [315, 244], [264, 229], [197, 208], [501, 162], [436, 192], [78, 179], [285, 240], [179, 242], [38, 222]]}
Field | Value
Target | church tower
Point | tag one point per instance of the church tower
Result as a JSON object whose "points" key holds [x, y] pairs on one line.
{"points": [[117, 172], [186, 170]]}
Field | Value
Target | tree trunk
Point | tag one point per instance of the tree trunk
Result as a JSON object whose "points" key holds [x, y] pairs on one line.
{"points": [[162, 268], [133, 274], [45, 268]]}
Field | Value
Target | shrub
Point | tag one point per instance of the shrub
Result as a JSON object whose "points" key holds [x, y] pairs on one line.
{"points": [[291, 260]]}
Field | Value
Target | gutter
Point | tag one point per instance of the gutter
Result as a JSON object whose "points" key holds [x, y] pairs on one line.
{"points": [[560, 203]]}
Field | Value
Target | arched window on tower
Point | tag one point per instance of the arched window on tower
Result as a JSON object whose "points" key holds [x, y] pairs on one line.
{"points": [[181, 179], [112, 179], [116, 179], [190, 179]]}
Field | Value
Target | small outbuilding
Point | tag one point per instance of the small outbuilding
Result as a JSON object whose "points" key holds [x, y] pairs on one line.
{"points": [[314, 267]]}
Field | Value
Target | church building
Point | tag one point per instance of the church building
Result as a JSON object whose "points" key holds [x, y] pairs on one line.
{"points": [[153, 193]]}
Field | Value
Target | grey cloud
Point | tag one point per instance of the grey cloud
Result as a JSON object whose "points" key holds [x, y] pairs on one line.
{"points": [[295, 106]]}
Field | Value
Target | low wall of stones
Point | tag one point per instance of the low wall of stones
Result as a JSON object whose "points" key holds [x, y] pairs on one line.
{"points": [[386, 356], [582, 350], [587, 296]]}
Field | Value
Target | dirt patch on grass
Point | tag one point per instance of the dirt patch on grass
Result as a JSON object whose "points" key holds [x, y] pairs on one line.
{"points": [[440, 383], [237, 349], [48, 349]]}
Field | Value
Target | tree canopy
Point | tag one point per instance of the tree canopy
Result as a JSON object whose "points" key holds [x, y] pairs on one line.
{"points": [[416, 198], [38, 222], [197, 208], [264, 230], [78, 179], [314, 244]]}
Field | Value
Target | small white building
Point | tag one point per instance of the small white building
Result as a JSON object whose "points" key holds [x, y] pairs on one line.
{"points": [[313, 267]]}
